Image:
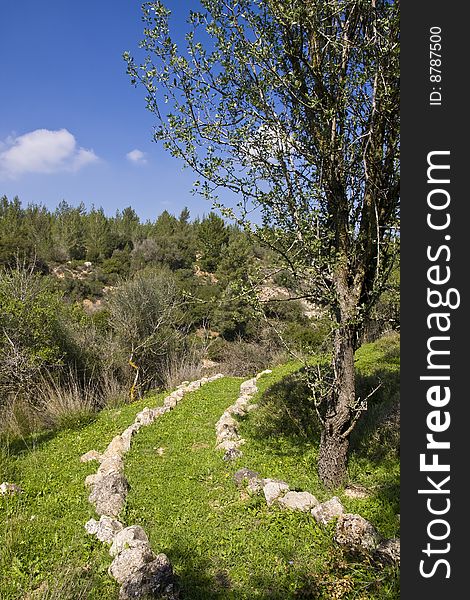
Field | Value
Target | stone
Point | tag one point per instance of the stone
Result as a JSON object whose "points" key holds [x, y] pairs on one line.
{"points": [[153, 580], [90, 455], [230, 444], [146, 416], [356, 492], [170, 401], [245, 474], [130, 560], [357, 533], [118, 446], [389, 551], [90, 480], [303, 501], [242, 400], [109, 494], [239, 411], [226, 421], [111, 464], [265, 372], [105, 529], [327, 511], [9, 489], [130, 431], [248, 387], [273, 488], [232, 454], [195, 385], [129, 537]]}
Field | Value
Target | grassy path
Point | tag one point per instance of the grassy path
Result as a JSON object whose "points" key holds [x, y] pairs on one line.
{"points": [[223, 544], [42, 530]]}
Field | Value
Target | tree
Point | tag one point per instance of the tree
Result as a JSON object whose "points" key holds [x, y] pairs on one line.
{"points": [[213, 237], [294, 106]]}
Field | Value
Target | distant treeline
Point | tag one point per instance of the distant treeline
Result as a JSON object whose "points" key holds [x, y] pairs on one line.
{"points": [[71, 233]]}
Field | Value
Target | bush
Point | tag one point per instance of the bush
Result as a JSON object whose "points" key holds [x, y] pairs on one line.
{"points": [[33, 339], [308, 338], [144, 314], [242, 358]]}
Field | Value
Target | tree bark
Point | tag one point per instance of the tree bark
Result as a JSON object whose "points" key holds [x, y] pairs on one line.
{"points": [[334, 441]]}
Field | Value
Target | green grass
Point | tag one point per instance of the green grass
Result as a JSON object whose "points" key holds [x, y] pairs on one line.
{"points": [[223, 544], [227, 545], [42, 530]]}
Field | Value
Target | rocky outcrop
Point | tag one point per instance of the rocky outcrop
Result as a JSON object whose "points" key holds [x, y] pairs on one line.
{"points": [[141, 573]]}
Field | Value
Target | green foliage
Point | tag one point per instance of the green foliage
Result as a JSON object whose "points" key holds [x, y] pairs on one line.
{"points": [[144, 314], [33, 339], [287, 408], [213, 236], [244, 549], [43, 540]]}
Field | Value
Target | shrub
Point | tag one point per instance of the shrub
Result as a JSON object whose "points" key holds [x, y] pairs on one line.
{"points": [[243, 358], [33, 339], [144, 314]]}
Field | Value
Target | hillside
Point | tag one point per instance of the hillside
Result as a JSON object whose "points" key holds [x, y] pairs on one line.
{"points": [[222, 541]]}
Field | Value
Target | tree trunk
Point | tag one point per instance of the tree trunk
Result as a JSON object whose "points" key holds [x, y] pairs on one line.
{"points": [[334, 442], [332, 459]]}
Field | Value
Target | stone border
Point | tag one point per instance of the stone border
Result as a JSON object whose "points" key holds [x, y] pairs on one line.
{"points": [[352, 531], [226, 428], [135, 566]]}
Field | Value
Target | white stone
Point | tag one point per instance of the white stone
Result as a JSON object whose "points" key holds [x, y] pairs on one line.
{"points": [[274, 488], [105, 529], [303, 501], [230, 444], [9, 489], [327, 511], [130, 560], [109, 493], [89, 456], [90, 480], [111, 464], [265, 372], [249, 387], [128, 538]]}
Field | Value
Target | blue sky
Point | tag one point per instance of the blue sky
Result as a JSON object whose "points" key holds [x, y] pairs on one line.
{"points": [[71, 125]]}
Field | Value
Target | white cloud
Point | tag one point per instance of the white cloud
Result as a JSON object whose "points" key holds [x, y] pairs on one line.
{"points": [[43, 151], [136, 157]]}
